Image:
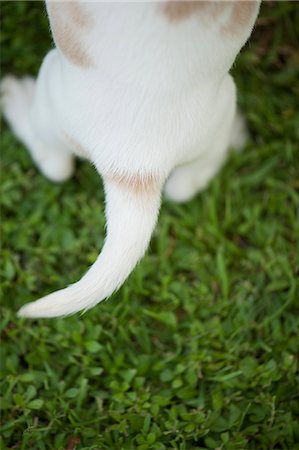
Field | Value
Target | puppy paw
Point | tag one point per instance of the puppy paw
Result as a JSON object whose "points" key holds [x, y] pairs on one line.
{"points": [[57, 168], [240, 133], [15, 98], [179, 189]]}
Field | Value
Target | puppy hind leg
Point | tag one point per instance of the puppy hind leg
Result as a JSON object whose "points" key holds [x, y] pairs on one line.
{"points": [[187, 180], [50, 155]]}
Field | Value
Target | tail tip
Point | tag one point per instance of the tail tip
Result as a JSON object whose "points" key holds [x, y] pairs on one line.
{"points": [[27, 311]]}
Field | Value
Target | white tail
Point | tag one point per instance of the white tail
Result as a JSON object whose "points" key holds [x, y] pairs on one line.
{"points": [[131, 218]]}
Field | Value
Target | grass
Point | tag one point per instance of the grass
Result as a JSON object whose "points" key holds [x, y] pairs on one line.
{"points": [[199, 349]]}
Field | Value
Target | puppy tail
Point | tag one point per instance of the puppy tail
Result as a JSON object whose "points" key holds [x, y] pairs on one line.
{"points": [[132, 207]]}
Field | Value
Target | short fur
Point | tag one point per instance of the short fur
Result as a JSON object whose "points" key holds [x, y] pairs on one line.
{"points": [[143, 91]]}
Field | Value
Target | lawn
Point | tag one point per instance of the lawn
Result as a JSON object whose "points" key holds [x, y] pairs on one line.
{"points": [[199, 349]]}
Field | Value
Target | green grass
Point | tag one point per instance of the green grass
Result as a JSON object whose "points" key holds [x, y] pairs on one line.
{"points": [[199, 349]]}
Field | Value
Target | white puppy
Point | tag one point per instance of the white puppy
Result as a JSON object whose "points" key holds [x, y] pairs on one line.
{"points": [[142, 90]]}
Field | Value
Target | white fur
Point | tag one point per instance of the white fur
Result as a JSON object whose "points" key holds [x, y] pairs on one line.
{"points": [[158, 103]]}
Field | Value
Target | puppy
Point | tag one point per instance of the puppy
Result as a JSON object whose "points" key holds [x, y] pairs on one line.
{"points": [[143, 91]]}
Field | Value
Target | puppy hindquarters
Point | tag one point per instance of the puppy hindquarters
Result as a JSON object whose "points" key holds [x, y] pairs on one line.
{"points": [[131, 212]]}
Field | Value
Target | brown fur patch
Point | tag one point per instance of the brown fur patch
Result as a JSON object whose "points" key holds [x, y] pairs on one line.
{"points": [[241, 12], [147, 184], [77, 14], [66, 18], [176, 11]]}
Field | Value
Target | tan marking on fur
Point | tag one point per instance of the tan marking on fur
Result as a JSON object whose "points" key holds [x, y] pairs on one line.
{"points": [[241, 15], [176, 11], [211, 10], [78, 15], [65, 19], [77, 148], [138, 184]]}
